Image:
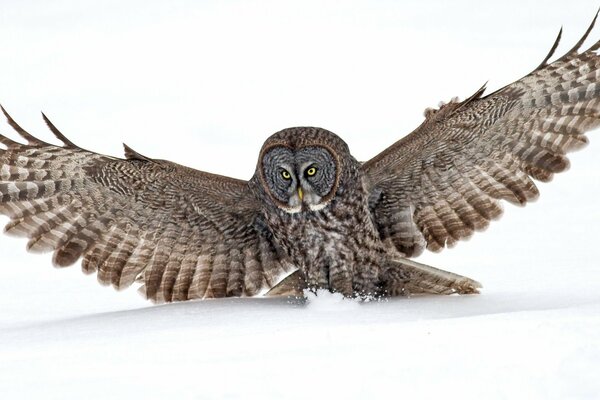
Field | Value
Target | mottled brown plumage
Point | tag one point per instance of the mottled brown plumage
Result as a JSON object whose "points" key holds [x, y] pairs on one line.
{"points": [[311, 216]]}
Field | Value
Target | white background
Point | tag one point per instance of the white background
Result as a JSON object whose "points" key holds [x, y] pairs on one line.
{"points": [[204, 84]]}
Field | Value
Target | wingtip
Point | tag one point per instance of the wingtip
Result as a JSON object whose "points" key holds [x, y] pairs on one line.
{"points": [[552, 50], [478, 93], [31, 140], [131, 154], [127, 149], [4, 112], [575, 49], [44, 117], [578, 45], [59, 135]]}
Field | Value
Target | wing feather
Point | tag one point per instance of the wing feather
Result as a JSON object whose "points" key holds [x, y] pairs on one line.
{"points": [[444, 181]]}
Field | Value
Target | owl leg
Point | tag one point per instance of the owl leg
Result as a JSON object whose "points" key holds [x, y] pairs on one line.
{"points": [[405, 277]]}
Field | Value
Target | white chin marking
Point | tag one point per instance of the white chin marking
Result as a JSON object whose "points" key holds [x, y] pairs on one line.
{"points": [[292, 210], [317, 207]]}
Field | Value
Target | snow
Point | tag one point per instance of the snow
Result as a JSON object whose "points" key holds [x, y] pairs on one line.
{"points": [[500, 345], [191, 81]]}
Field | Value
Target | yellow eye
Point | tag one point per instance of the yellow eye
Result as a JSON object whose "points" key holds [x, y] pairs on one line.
{"points": [[311, 171], [286, 175]]}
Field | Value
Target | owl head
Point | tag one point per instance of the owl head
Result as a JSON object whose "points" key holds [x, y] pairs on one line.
{"points": [[300, 169]]}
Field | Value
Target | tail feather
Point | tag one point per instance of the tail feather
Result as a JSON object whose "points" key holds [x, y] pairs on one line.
{"points": [[424, 279]]}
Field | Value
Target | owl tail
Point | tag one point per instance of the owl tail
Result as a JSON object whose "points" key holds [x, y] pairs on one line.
{"points": [[424, 279]]}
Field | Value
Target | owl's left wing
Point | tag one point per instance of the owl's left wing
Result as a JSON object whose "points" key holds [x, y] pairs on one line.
{"points": [[184, 233], [444, 181]]}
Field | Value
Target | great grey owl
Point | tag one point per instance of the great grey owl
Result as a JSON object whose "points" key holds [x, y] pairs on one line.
{"points": [[311, 216]]}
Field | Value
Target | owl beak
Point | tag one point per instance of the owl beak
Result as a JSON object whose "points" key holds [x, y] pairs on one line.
{"points": [[300, 194]]}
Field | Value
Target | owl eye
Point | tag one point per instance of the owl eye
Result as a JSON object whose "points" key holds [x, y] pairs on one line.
{"points": [[311, 171], [286, 175]]}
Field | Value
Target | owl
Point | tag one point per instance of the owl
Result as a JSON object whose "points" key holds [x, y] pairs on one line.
{"points": [[312, 216]]}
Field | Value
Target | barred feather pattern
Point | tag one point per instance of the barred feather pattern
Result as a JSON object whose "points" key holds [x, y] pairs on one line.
{"points": [[444, 181], [187, 234], [183, 233]]}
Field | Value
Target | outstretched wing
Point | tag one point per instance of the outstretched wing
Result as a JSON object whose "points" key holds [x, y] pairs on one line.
{"points": [[444, 181], [184, 233]]}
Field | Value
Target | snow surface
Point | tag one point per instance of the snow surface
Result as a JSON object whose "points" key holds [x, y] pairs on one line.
{"points": [[204, 83]]}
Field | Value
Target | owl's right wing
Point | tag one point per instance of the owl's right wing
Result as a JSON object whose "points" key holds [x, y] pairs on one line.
{"points": [[184, 233]]}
